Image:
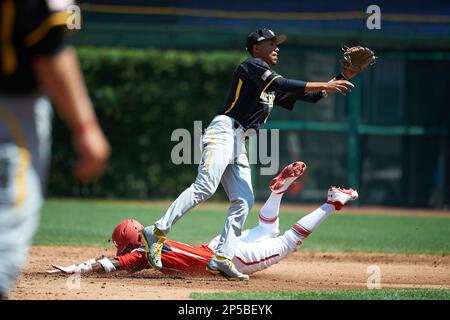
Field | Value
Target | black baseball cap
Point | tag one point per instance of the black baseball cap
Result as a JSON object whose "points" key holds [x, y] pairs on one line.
{"points": [[261, 35]]}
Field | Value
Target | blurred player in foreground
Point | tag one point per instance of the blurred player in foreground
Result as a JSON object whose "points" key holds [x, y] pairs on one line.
{"points": [[257, 249], [34, 63]]}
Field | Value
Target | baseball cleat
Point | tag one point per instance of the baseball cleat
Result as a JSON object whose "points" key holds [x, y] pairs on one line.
{"points": [[225, 267], [339, 196], [289, 174], [153, 245]]}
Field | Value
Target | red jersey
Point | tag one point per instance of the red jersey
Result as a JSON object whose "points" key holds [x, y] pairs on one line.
{"points": [[175, 256]]}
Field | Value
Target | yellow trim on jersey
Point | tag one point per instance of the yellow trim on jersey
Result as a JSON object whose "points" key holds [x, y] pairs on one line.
{"points": [[265, 88], [236, 95], [56, 19], [9, 61], [24, 158]]}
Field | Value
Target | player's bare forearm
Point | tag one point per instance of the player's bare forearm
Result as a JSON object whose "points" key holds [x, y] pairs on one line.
{"points": [[62, 80], [314, 86], [355, 60], [60, 77]]}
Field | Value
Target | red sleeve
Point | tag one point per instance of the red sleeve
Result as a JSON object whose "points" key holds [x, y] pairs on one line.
{"points": [[135, 261], [184, 257]]}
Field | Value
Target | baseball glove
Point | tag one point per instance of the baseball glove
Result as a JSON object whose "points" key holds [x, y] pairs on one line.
{"points": [[357, 59]]}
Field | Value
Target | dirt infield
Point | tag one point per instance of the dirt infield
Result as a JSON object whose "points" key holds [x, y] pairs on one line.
{"points": [[300, 271]]}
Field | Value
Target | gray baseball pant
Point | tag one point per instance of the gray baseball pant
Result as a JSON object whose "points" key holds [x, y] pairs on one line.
{"points": [[224, 160]]}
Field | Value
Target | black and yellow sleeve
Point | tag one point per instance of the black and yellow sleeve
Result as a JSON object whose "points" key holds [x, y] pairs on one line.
{"points": [[43, 29]]}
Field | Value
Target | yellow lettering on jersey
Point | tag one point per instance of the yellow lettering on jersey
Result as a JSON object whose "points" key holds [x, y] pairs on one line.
{"points": [[268, 97]]}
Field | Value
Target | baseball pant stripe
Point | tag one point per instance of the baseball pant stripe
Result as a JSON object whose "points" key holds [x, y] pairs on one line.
{"points": [[24, 160], [256, 262], [303, 232]]}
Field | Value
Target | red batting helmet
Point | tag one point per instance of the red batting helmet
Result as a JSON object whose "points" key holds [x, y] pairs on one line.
{"points": [[126, 236]]}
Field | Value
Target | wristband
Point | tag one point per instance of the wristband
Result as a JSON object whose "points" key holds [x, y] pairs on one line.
{"points": [[107, 265]]}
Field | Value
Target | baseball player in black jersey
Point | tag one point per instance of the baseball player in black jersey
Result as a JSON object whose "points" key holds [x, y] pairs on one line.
{"points": [[34, 61], [255, 89]]}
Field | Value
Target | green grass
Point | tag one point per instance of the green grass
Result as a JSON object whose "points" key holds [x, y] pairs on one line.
{"points": [[76, 222], [391, 294]]}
